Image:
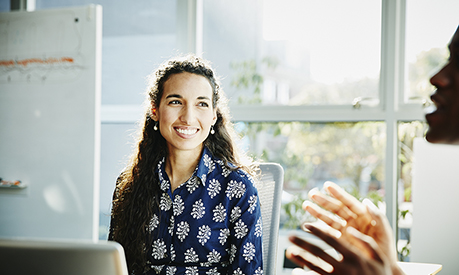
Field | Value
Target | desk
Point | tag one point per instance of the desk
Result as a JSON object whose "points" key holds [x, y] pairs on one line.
{"points": [[420, 268], [408, 268]]}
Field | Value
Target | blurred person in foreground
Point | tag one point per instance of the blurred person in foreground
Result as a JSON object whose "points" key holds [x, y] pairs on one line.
{"points": [[358, 231]]}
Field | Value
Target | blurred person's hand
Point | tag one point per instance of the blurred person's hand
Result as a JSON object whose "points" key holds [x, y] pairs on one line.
{"points": [[340, 211], [350, 260]]}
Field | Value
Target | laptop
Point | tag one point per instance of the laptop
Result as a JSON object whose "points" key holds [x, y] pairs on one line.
{"points": [[61, 257]]}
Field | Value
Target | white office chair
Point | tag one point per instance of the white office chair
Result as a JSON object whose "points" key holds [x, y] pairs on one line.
{"points": [[270, 192]]}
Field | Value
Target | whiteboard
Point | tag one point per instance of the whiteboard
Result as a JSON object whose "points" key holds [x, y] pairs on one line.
{"points": [[435, 203], [50, 71]]}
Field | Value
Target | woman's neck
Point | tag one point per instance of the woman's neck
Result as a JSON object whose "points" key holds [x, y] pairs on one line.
{"points": [[180, 165]]}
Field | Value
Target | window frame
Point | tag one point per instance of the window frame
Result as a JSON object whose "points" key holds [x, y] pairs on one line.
{"points": [[392, 108]]}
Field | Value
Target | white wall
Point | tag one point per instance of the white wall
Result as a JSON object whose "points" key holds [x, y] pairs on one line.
{"points": [[435, 205]]}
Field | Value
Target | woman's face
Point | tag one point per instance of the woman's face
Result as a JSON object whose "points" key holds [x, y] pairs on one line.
{"points": [[444, 121], [185, 113]]}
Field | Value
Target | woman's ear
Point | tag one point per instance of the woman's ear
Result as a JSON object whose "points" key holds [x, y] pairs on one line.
{"points": [[214, 119], [154, 113]]}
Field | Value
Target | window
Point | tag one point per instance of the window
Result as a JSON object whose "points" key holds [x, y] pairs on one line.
{"points": [[349, 154], [429, 28], [307, 53]]}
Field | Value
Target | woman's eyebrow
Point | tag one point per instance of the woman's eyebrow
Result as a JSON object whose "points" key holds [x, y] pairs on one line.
{"points": [[174, 95], [180, 96]]}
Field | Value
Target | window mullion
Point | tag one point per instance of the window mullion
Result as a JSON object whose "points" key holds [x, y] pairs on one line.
{"points": [[190, 26], [305, 113], [393, 18]]}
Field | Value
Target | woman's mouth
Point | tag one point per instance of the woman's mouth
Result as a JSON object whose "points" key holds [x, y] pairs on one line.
{"points": [[186, 131], [435, 114], [438, 106], [430, 109]]}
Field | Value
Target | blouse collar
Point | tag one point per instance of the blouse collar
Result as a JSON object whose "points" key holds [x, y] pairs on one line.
{"points": [[205, 166]]}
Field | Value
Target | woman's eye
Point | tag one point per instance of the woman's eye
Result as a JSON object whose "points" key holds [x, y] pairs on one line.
{"points": [[174, 102], [203, 104]]}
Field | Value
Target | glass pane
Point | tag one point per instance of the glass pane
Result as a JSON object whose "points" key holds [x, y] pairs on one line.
{"points": [[429, 28], [349, 154], [295, 52], [137, 37], [407, 132]]}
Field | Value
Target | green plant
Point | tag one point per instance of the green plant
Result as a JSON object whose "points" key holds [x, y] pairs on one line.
{"points": [[404, 252], [294, 213]]}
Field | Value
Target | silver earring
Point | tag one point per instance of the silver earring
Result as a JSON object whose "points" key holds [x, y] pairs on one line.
{"points": [[156, 126], [212, 131]]}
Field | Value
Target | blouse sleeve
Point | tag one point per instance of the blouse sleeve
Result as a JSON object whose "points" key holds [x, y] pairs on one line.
{"points": [[246, 229]]}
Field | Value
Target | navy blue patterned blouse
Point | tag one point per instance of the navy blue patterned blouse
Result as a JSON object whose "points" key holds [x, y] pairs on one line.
{"points": [[211, 224]]}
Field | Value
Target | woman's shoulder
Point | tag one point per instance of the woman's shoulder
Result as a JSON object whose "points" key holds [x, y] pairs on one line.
{"points": [[230, 171], [231, 175], [226, 171]]}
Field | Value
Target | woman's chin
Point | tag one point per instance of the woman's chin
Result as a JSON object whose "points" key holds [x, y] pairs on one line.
{"points": [[441, 137], [434, 136]]}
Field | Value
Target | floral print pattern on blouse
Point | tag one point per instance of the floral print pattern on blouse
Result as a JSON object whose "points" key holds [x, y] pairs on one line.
{"points": [[211, 224]]}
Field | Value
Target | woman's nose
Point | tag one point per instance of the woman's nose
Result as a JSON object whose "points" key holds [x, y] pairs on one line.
{"points": [[187, 115], [440, 79]]}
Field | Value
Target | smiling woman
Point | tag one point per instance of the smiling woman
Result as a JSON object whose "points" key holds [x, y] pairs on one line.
{"points": [[185, 115], [186, 202], [444, 120]]}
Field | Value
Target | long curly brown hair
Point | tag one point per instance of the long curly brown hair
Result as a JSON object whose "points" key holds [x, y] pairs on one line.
{"points": [[136, 195]]}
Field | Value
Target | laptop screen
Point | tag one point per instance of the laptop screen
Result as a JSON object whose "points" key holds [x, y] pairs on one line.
{"points": [[57, 257]]}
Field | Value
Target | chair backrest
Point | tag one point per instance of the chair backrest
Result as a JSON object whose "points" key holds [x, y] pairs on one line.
{"points": [[270, 192]]}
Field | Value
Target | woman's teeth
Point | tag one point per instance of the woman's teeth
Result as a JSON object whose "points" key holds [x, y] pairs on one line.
{"points": [[428, 110], [187, 131]]}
